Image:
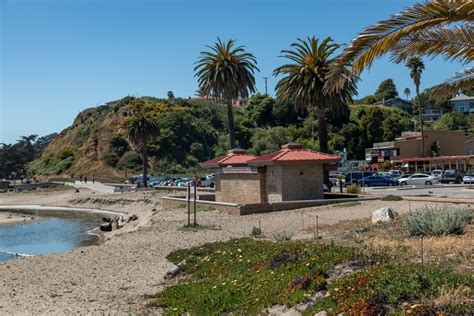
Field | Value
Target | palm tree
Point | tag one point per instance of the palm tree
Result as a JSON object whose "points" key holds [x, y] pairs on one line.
{"points": [[226, 72], [430, 28], [416, 66], [141, 128], [407, 92], [304, 79]]}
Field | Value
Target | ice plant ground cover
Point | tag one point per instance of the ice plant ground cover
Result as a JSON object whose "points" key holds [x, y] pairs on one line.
{"points": [[245, 276]]}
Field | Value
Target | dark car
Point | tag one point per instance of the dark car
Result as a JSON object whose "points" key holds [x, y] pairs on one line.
{"points": [[377, 180], [354, 177]]}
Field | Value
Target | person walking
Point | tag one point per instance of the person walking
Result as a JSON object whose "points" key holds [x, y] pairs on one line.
{"points": [[80, 178], [93, 179], [85, 179]]}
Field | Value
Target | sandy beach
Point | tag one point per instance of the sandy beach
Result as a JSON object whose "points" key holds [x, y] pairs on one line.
{"points": [[9, 218], [112, 277]]}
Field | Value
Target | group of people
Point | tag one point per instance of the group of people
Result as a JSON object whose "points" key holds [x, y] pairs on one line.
{"points": [[83, 178]]}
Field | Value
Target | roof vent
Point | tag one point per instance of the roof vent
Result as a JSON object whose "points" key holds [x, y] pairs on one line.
{"points": [[237, 151], [292, 146]]}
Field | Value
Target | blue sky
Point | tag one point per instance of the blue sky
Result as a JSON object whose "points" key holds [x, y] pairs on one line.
{"points": [[59, 57]]}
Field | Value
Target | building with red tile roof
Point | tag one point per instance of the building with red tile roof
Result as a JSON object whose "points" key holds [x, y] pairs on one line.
{"points": [[290, 174]]}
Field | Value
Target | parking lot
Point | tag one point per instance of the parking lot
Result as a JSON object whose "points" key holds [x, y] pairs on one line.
{"points": [[445, 190]]}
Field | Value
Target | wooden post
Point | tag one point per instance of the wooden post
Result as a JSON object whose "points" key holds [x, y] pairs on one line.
{"points": [[189, 204], [421, 253], [302, 219], [317, 227], [195, 195]]}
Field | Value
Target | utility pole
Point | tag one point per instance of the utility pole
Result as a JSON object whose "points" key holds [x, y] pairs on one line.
{"points": [[266, 87]]}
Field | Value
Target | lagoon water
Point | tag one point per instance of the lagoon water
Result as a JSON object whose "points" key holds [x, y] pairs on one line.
{"points": [[59, 232]]}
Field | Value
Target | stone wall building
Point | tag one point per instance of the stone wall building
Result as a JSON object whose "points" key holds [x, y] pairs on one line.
{"points": [[290, 174]]}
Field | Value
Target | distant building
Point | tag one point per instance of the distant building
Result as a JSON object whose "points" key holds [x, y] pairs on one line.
{"points": [[462, 103], [396, 103], [409, 146], [431, 114]]}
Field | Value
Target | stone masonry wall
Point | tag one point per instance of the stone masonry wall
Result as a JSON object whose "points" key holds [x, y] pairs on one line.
{"points": [[241, 188], [287, 182]]}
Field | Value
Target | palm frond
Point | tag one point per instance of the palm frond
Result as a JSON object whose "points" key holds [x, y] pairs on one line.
{"points": [[381, 38], [455, 43], [463, 80]]}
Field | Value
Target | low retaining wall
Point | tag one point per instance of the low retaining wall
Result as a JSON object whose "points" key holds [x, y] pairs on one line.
{"points": [[181, 189], [247, 209]]}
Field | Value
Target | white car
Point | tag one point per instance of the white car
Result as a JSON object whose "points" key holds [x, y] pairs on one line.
{"points": [[468, 178], [418, 179]]}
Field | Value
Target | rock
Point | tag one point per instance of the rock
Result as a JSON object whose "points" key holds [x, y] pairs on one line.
{"points": [[383, 214], [292, 312], [174, 271], [106, 227], [321, 313], [276, 310]]}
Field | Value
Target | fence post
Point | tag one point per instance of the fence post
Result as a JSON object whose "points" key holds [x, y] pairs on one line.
{"points": [[189, 204], [195, 194], [422, 259], [302, 219], [317, 227]]}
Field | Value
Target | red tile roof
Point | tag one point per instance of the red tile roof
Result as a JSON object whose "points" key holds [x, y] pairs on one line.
{"points": [[294, 153], [235, 157]]}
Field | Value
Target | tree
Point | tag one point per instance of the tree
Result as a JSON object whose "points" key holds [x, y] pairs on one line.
{"points": [[435, 148], [416, 66], [304, 79], [386, 90], [226, 72], [407, 92], [141, 129], [430, 28], [170, 94], [451, 121]]}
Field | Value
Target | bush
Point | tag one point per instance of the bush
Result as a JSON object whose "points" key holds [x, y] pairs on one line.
{"points": [[131, 160], [436, 221], [111, 159], [282, 236], [392, 198], [119, 145], [66, 153], [353, 189], [256, 232]]}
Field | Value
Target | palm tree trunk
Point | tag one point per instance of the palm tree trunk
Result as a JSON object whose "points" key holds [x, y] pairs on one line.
{"points": [[145, 166], [230, 124], [420, 114], [323, 141]]}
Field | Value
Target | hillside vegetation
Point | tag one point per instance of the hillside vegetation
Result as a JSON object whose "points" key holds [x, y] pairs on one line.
{"points": [[194, 130]]}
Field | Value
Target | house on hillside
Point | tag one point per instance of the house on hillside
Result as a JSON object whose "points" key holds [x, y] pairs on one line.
{"points": [[462, 103], [397, 103], [431, 114], [290, 174]]}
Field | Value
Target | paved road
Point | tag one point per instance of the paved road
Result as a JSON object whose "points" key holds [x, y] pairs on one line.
{"points": [[97, 186], [455, 191]]}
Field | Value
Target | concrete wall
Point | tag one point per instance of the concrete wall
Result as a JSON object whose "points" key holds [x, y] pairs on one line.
{"points": [[241, 188], [289, 182]]}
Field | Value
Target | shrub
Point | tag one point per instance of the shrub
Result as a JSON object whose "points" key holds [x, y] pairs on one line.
{"points": [[256, 232], [392, 198], [282, 236], [353, 189], [131, 160], [119, 145], [436, 221], [66, 153], [111, 159]]}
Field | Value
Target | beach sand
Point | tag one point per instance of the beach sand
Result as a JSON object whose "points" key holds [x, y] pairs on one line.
{"points": [[112, 277], [8, 218]]}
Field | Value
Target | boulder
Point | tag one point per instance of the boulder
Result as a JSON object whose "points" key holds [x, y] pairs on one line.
{"points": [[383, 214], [321, 313]]}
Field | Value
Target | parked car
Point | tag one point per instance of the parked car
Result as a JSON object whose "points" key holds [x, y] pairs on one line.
{"points": [[207, 181], [377, 180], [468, 178], [355, 176], [418, 179], [452, 175]]}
